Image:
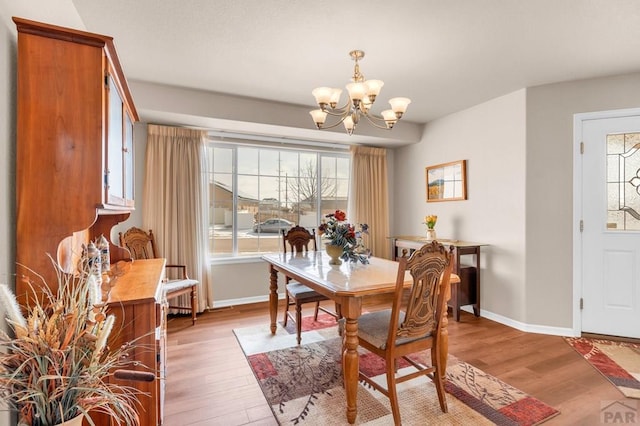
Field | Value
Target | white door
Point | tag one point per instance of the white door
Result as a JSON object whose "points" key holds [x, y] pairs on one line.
{"points": [[611, 226]]}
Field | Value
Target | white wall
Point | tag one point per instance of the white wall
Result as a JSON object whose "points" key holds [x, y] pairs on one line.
{"points": [[7, 165], [491, 137]]}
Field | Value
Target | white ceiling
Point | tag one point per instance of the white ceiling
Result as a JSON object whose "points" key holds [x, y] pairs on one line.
{"points": [[444, 55]]}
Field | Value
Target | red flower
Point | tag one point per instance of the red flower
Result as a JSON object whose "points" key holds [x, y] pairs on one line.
{"points": [[340, 215], [351, 233]]}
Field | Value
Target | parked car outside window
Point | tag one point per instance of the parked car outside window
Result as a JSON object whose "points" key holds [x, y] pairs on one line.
{"points": [[272, 225]]}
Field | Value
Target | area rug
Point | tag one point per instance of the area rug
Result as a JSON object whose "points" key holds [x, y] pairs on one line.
{"points": [[303, 384], [619, 362]]}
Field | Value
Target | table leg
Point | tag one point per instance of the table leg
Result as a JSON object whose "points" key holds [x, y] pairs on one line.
{"points": [[444, 336], [350, 362], [444, 346], [273, 297]]}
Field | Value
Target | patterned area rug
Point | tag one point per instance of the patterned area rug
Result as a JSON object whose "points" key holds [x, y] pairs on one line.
{"points": [[619, 362], [303, 384]]}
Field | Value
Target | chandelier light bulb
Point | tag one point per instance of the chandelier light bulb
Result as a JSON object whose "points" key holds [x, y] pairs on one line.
{"points": [[356, 91], [349, 125], [335, 97], [399, 105], [319, 117], [322, 95], [389, 117], [373, 88]]}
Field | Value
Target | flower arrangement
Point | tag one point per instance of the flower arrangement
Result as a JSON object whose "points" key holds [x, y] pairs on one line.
{"points": [[339, 232], [430, 221], [56, 365]]}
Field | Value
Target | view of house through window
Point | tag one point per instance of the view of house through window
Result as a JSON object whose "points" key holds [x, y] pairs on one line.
{"points": [[255, 192]]}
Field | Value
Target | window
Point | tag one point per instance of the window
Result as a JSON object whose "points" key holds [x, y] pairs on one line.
{"points": [[256, 191], [623, 182]]}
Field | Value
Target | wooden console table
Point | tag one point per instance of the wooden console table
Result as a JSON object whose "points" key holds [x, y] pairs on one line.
{"points": [[467, 291]]}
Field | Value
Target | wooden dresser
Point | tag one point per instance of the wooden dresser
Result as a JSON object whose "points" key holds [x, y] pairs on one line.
{"points": [[74, 180], [467, 291]]}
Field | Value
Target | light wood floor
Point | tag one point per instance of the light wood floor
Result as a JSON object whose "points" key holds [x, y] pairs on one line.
{"points": [[209, 381]]}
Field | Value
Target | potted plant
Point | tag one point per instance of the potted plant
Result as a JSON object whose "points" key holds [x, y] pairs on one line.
{"points": [[56, 364], [343, 241]]}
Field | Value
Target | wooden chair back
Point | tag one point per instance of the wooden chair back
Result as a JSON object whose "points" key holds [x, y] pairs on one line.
{"points": [[430, 268], [299, 238], [141, 245]]}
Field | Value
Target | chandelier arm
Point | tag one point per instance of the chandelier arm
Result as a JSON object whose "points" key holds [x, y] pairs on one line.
{"points": [[340, 112]]}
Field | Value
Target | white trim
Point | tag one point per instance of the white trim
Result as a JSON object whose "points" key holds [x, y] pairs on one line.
{"points": [[272, 141], [578, 120], [229, 260], [243, 301], [527, 328]]}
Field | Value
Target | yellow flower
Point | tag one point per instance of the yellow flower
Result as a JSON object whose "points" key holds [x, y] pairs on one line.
{"points": [[430, 221]]}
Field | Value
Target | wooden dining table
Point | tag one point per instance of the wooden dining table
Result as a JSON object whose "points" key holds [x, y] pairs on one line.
{"points": [[347, 284]]}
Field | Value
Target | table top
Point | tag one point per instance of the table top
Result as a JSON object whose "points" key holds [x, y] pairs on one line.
{"points": [[447, 242], [349, 279]]}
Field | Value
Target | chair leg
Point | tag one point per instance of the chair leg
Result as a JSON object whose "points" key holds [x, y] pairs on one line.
{"points": [[391, 388], [286, 308], [194, 304], [299, 321], [438, 381], [315, 315]]}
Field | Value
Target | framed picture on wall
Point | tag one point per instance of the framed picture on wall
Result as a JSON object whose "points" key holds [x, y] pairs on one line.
{"points": [[447, 182]]}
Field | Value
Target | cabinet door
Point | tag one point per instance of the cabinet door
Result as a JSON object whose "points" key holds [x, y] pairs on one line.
{"points": [[119, 181], [128, 160], [115, 159]]}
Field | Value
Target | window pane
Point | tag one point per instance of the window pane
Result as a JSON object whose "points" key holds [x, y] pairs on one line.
{"points": [[343, 167], [623, 182], [269, 162], [222, 160], [248, 161], [328, 166], [289, 163]]}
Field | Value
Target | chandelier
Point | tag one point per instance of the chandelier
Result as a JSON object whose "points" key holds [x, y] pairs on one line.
{"points": [[362, 95]]}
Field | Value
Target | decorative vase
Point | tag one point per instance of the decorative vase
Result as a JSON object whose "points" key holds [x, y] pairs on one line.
{"points": [[431, 234], [334, 253], [76, 421]]}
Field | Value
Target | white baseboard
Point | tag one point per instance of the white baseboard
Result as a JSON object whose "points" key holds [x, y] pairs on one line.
{"points": [[243, 301], [528, 328]]}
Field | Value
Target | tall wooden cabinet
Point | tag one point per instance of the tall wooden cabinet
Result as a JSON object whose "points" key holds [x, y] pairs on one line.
{"points": [[74, 174], [74, 145]]}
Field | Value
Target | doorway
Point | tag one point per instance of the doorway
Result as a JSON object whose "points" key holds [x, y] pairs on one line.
{"points": [[607, 212]]}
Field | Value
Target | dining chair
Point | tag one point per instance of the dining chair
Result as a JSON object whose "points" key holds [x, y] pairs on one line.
{"points": [[412, 324], [142, 245], [298, 294]]}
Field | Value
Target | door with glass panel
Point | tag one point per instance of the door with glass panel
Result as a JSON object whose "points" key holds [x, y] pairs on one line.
{"points": [[610, 237]]}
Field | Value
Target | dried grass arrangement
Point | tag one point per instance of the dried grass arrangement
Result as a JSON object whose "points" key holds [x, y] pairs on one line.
{"points": [[56, 365]]}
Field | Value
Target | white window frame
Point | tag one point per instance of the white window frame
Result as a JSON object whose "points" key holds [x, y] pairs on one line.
{"points": [[233, 143]]}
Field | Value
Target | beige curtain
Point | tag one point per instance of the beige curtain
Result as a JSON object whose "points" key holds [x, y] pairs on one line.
{"points": [[369, 202], [175, 200]]}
